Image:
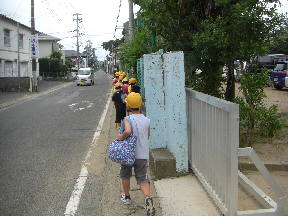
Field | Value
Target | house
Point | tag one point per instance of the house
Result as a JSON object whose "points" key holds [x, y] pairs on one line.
{"points": [[49, 44], [72, 54], [10, 76], [14, 76]]}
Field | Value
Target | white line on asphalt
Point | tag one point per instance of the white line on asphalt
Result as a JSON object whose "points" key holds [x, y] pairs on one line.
{"points": [[73, 203]]}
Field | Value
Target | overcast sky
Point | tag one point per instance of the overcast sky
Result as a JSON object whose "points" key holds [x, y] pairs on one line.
{"points": [[55, 17]]}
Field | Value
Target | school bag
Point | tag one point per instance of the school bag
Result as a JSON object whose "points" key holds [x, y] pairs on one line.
{"points": [[123, 151]]}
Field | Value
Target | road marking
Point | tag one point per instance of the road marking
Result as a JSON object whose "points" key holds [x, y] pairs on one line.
{"points": [[74, 200], [80, 106]]}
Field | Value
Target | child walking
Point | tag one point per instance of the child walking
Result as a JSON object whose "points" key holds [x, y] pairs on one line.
{"points": [[119, 102], [139, 125]]}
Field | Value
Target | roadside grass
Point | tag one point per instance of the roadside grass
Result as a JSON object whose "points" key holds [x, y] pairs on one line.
{"points": [[280, 138]]}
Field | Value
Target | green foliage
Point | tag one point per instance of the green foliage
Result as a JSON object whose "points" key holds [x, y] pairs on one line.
{"points": [[217, 32], [254, 115], [89, 51], [270, 121], [52, 66], [112, 44], [134, 49], [280, 43]]}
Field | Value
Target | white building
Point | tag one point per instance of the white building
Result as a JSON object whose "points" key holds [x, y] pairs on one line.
{"points": [[10, 77], [49, 44], [9, 49]]}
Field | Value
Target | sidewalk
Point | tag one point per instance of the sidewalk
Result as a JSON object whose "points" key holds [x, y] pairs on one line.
{"points": [[180, 196], [8, 99], [111, 203]]}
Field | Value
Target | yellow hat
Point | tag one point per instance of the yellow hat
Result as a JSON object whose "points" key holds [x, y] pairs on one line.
{"points": [[125, 79], [117, 85], [121, 77], [132, 80], [134, 100]]}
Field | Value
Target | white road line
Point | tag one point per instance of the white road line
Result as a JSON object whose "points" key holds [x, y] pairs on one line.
{"points": [[73, 203]]}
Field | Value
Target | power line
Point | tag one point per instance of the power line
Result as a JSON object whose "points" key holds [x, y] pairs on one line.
{"points": [[117, 18]]}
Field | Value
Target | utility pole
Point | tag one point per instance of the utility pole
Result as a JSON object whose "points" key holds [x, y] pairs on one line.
{"points": [[34, 64], [78, 20], [18, 50], [131, 19]]}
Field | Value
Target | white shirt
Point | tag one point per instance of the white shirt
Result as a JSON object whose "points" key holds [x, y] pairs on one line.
{"points": [[140, 129]]}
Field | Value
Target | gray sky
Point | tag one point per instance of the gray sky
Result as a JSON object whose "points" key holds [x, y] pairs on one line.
{"points": [[55, 17]]}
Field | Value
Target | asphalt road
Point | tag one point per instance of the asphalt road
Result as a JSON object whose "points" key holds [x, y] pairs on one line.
{"points": [[43, 142]]}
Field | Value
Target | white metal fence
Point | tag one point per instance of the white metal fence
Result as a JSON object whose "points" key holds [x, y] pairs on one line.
{"points": [[213, 139], [213, 148]]}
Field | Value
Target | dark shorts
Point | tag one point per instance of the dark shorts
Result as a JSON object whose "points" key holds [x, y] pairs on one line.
{"points": [[120, 114], [140, 170]]}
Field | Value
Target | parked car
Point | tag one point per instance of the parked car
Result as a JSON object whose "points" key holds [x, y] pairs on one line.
{"points": [[279, 76], [85, 76]]}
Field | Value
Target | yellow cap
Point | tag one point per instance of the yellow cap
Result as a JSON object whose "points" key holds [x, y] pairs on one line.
{"points": [[117, 85], [132, 80], [121, 77], [125, 79], [134, 100]]}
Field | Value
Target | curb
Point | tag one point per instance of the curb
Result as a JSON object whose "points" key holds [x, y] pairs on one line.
{"points": [[6, 105], [270, 167]]}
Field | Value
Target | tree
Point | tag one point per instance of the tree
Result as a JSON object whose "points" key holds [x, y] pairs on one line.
{"points": [[111, 45], [134, 49], [280, 44], [89, 51], [213, 33]]}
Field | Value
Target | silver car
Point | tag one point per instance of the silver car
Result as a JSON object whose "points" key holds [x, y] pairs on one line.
{"points": [[85, 76]]}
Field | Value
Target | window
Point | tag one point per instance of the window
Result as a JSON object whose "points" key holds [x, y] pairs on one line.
{"points": [[7, 41], [21, 36]]}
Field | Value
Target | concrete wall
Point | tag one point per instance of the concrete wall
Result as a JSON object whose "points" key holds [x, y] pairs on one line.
{"points": [[15, 84], [45, 48], [164, 81], [153, 82]]}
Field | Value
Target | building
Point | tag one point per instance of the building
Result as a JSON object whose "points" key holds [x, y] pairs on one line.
{"points": [[9, 46], [72, 54], [49, 44], [14, 76]]}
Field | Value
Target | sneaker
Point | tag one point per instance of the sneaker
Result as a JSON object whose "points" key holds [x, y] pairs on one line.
{"points": [[149, 206], [125, 200]]}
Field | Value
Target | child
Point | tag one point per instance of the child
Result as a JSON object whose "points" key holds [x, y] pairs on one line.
{"points": [[119, 102], [139, 125], [133, 86], [116, 78], [125, 86]]}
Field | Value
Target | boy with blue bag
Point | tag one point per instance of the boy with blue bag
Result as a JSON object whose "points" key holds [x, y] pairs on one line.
{"points": [[138, 125]]}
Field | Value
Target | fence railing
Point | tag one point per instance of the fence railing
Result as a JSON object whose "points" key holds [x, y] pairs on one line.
{"points": [[213, 140]]}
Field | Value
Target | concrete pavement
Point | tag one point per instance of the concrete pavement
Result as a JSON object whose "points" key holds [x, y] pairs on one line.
{"points": [[179, 196], [8, 99], [173, 196]]}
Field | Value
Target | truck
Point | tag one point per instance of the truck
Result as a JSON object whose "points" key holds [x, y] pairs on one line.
{"points": [[279, 75]]}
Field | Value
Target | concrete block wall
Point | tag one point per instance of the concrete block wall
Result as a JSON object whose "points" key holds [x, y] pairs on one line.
{"points": [[164, 81], [14, 84]]}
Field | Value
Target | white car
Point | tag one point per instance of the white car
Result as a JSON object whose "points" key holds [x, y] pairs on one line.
{"points": [[85, 76]]}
